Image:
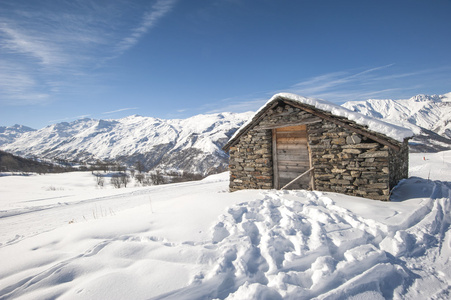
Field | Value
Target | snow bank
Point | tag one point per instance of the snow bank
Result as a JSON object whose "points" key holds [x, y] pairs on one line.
{"points": [[197, 241], [277, 248]]}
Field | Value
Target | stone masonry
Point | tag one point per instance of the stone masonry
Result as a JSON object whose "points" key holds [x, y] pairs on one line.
{"points": [[344, 161]]}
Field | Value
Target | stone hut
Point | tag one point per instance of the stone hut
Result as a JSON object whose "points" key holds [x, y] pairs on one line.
{"points": [[294, 142]]}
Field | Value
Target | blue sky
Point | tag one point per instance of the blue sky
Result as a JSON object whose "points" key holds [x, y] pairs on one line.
{"points": [[61, 60]]}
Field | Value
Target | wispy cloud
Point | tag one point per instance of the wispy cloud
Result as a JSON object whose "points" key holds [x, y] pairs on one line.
{"points": [[377, 82], [53, 45], [325, 83], [149, 19], [341, 86], [119, 110], [18, 86], [16, 41]]}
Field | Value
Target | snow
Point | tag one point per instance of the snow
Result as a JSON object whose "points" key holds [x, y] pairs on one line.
{"points": [[62, 237], [151, 140], [421, 111], [396, 132]]}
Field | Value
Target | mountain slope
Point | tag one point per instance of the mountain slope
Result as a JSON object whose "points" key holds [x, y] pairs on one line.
{"points": [[192, 144], [9, 134], [428, 116]]}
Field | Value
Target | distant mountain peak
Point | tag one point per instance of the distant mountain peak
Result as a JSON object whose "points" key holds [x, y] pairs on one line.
{"points": [[195, 144], [429, 116], [192, 144]]}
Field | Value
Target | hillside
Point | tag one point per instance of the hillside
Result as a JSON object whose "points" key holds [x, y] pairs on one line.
{"points": [[11, 133], [192, 144], [194, 240], [14, 164]]}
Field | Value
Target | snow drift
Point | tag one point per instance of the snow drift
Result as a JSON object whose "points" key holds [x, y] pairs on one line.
{"points": [[197, 241]]}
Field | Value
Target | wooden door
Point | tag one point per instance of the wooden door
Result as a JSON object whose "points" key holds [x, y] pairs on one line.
{"points": [[291, 157]]}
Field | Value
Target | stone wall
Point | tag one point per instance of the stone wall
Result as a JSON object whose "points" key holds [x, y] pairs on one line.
{"points": [[344, 162], [348, 163], [250, 161], [399, 164]]}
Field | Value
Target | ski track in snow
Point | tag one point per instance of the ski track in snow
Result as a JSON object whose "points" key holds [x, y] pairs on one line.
{"points": [[277, 245], [277, 248], [91, 208]]}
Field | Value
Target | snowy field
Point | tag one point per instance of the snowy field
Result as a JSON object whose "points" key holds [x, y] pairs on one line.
{"points": [[62, 237]]}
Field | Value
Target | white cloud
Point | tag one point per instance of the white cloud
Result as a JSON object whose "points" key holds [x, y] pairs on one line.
{"points": [[55, 45], [149, 19], [119, 110], [325, 83], [339, 87], [16, 41], [18, 86]]}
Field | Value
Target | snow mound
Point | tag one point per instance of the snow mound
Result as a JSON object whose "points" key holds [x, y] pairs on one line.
{"points": [[194, 240], [280, 248]]}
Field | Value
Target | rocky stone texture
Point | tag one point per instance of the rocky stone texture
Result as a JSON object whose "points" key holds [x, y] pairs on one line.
{"points": [[250, 161], [343, 161]]}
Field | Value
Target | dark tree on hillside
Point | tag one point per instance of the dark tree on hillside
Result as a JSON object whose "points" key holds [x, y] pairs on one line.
{"points": [[8, 163], [124, 179], [139, 166]]}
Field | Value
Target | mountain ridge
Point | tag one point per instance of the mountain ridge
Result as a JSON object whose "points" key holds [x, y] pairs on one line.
{"points": [[195, 144], [428, 116]]}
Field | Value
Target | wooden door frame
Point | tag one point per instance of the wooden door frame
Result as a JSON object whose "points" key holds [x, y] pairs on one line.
{"points": [[275, 167], [275, 158]]}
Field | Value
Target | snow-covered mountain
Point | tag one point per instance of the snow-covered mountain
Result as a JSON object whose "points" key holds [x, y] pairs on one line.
{"points": [[428, 116], [9, 134], [192, 144]]}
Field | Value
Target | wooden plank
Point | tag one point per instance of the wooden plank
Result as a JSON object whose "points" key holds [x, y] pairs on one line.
{"points": [[301, 168], [293, 128], [312, 173], [291, 134], [290, 147], [291, 152], [303, 183], [302, 176], [310, 120], [298, 184], [294, 169], [290, 175], [275, 164], [283, 131], [296, 153], [299, 141], [287, 159], [294, 163], [304, 180], [295, 186], [291, 157]]}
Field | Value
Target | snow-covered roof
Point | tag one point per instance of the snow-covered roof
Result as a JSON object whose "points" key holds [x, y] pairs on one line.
{"points": [[392, 131]]}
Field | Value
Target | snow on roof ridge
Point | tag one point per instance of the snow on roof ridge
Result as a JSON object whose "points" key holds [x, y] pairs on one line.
{"points": [[393, 131]]}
